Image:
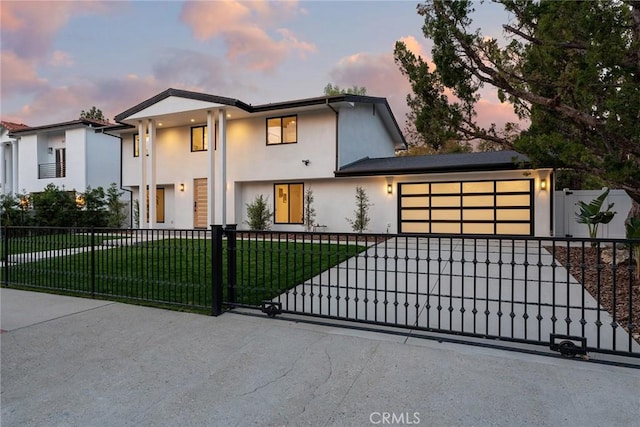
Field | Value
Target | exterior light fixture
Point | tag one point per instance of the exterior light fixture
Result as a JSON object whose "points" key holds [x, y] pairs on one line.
{"points": [[389, 188], [181, 187], [543, 185], [50, 150]]}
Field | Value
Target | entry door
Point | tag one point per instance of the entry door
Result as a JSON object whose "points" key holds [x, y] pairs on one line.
{"points": [[200, 204]]}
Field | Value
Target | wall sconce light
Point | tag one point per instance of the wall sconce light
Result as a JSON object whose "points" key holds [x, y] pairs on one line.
{"points": [[543, 185], [50, 150], [181, 187], [389, 188]]}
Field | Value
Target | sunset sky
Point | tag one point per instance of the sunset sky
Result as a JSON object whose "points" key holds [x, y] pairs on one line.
{"points": [[58, 58]]}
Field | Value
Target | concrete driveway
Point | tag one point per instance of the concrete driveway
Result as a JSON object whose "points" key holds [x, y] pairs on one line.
{"points": [[511, 291], [75, 362]]}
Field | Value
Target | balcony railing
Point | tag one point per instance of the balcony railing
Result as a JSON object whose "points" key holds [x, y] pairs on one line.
{"points": [[52, 170]]}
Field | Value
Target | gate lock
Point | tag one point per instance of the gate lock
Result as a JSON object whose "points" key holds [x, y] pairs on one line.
{"points": [[568, 346], [271, 308]]}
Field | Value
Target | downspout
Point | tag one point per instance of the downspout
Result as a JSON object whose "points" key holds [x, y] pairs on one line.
{"points": [[337, 120]]}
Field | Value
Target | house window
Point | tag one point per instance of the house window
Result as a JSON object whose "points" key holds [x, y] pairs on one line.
{"points": [[282, 130], [199, 140], [288, 203], [136, 145]]}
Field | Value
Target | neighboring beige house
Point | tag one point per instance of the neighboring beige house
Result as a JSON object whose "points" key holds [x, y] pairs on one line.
{"points": [[205, 157], [72, 155]]}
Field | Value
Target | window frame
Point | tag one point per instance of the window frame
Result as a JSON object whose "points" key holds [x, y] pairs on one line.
{"points": [[281, 118], [288, 202]]}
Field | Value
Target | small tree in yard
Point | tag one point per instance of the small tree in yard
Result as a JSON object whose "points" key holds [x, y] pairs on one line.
{"points": [[633, 232], [309, 210], [116, 214], [593, 215], [259, 214], [361, 220]]}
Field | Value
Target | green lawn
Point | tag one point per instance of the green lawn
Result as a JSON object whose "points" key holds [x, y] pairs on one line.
{"points": [[178, 271], [50, 242]]}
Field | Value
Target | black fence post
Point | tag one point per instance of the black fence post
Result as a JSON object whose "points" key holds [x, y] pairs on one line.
{"points": [[216, 270], [5, 255], [232, 268], [93, 263]]}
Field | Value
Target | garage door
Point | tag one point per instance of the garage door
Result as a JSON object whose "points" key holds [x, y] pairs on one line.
{"points": [[466, 207]]}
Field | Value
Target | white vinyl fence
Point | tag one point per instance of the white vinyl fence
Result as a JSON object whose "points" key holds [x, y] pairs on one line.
{"points": [[565, 213]]}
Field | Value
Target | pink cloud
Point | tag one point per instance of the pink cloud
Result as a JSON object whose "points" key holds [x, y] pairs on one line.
{"points": [[61, 59], [250, 30], [18, 75], [28, 27]]}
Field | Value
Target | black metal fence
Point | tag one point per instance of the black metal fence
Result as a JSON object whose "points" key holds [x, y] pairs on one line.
{"points": [[576, 295]]}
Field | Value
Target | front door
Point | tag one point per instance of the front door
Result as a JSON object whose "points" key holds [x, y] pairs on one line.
{"points": [[200, 204]]}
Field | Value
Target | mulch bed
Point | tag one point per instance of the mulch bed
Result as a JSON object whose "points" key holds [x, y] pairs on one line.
{"points": [[600, 269]]}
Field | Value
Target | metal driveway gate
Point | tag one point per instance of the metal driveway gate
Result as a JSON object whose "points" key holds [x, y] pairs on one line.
{"points": [[507, 288]]}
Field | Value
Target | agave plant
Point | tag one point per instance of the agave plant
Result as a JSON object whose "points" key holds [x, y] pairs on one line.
{"points": [[593, 215], [633, 232]]}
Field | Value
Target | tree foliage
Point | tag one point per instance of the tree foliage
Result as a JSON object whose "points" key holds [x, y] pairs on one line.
{"points": [[330, 89], [360, 221], [571, 68], [56, 207], [93, 114]]}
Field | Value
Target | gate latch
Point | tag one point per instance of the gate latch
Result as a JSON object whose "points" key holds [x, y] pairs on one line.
{"points": [[567, 345], [271, 308]]}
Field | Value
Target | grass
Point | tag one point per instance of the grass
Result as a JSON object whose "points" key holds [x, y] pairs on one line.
{"points": [[51, 242], [178, 272]]}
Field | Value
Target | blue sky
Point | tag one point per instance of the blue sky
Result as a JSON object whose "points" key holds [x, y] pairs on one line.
{"points": [[60, 57]]}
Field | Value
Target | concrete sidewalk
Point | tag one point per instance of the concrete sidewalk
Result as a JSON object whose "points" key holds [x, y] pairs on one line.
{"points": [[76, 362]]}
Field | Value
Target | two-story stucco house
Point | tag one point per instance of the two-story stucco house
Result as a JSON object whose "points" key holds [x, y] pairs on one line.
{"points": [[203, 158], [72, 155]]}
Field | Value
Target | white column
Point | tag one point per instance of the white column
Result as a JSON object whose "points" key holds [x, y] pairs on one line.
{"points": [[14, 167], [142, 154], [211, 202], [152, 179], [222, 165], [3, 168]]}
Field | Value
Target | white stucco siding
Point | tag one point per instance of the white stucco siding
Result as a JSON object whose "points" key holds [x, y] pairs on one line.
{"points": [[250, 158], [334, 202], [76, 160], [362, 134], [102, 160]]}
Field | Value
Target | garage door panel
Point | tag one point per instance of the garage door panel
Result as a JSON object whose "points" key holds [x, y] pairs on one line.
{"points": [[445, 214], [415, 202], [446, 227], [520, 229], [478, 187], [445, 201], [477, 228], [445, 188], [419, 214], [513, 200], [513, 215], [521, 186], [480, 201], [415, 189], [415, 227], [477, 215]]}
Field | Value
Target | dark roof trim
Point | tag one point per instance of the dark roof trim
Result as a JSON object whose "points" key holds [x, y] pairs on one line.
{"points": [[443, 163], [53, 126], [182, 94]]}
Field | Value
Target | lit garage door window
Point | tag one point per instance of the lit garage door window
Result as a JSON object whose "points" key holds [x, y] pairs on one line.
{"points": [[467, 207]]}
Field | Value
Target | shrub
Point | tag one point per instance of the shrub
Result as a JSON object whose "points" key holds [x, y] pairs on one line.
{"points": [[593, 215], [633, 232], [116, 214], [259, 214]]}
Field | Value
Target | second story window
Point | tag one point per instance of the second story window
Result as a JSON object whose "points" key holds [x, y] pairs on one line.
{"points": [[136, 145], [282, 130], [199, 140]]}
